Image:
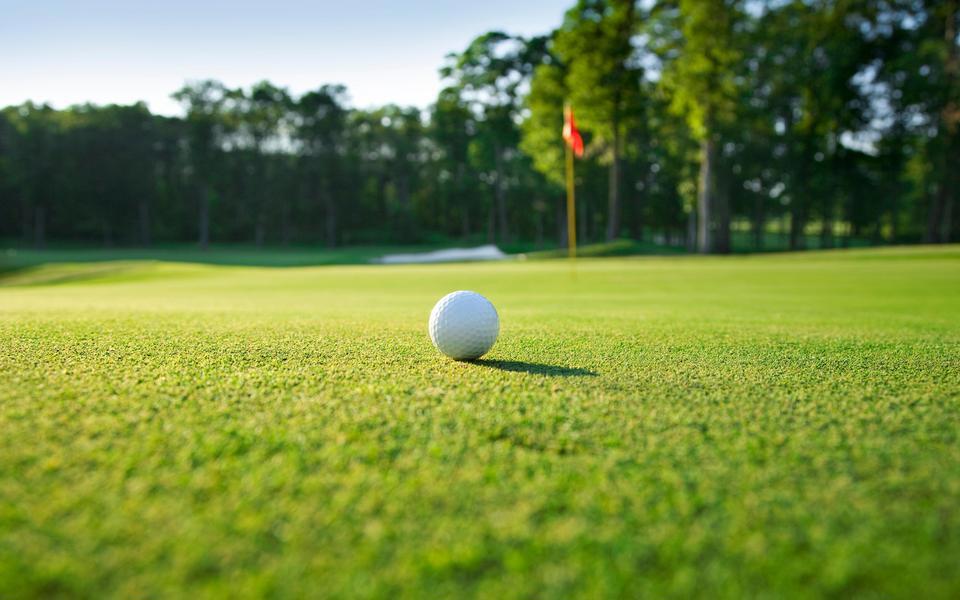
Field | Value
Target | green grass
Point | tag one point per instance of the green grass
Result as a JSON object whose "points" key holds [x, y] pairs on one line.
{"points": [[621, 247], [764, 426], [237, 255], [14, 259]]}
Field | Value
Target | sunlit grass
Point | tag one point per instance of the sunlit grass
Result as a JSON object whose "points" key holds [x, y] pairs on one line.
{"points": [[780, 425]]}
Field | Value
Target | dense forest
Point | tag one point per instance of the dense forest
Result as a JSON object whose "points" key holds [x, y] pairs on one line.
{"points": [[710, 124]]}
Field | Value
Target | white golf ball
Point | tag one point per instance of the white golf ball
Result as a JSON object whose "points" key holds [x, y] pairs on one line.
{"points": [[464, 325]]}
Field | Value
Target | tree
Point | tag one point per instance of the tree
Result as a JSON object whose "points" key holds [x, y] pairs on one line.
{"points": [[204, 103], [701, 81], [389, 145], [490, 76], [811, 116], [33, 152], [541, 133], [452, 126], [260, 117], [320, 129], [603, 82], [920, 67], [8, 202]]}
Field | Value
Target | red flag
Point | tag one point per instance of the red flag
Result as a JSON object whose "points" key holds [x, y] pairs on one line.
{"points": [[571, 135]]}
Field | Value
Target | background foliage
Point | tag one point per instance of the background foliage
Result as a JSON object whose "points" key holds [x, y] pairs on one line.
{"points": [[717, 124]]}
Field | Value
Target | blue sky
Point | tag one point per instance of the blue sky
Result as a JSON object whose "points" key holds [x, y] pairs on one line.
{"points": [[66, 52]]}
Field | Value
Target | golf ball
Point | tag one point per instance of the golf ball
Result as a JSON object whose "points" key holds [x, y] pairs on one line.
{"points": [[464, 325]]}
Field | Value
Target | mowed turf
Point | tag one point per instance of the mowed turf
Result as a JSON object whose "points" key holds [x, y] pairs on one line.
{"points": [[774, 426]]}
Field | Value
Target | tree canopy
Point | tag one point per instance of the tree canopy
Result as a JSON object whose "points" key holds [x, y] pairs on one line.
{"points": [[716, 124]]}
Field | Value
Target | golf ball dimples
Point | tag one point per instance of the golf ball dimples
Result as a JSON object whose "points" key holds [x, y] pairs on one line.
{"points": [[464, 325]]}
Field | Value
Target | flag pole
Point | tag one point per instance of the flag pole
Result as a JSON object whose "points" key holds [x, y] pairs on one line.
{"points": [[571, 202]]}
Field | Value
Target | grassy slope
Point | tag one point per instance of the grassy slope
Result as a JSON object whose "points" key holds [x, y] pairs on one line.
{"points": [[779, 425], [13, 258]]}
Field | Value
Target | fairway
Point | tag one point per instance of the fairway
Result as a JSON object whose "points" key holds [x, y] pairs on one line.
{"points": [[762, 426]]}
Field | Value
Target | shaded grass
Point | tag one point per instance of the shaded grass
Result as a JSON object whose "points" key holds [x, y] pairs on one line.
{"points": [[519, 366], [237, 255], [673, 427], [622, 247]]}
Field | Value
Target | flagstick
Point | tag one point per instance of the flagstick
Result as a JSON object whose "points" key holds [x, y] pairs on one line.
{"points": [[571, 207]]}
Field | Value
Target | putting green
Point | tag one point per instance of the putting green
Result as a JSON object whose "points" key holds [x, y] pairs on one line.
{"points": [[665, 427]]}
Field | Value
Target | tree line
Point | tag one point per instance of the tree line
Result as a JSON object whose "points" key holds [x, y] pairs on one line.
{"points": [[713, 124]]}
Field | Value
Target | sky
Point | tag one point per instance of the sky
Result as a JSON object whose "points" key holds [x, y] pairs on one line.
{"points": [[99, 51]]}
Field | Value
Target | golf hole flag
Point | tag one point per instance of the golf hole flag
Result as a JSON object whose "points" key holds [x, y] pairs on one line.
{"points": [[570, 133], [574, 146]]}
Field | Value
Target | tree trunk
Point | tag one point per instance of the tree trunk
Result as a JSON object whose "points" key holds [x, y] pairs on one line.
{"points": [[26, 221], [798, 201], [107, 232], [259, 230], [932, 233], [952, 117], [758, 222], [705, 196], [204, 218], [465, 223], [639, 206], [538, 226], [382, 197], [465, 214], [262, 201], [614, 208], [826, 230], [721, 214], [613, 194], [491, 223], [403, 193], [947, 220], [939, 218], [638, 219], [285, 226], [143, 210], [796, 225], [39, 227], [692, 231], [330, 221], [876, 236], [894, 228], [501, 195]]}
